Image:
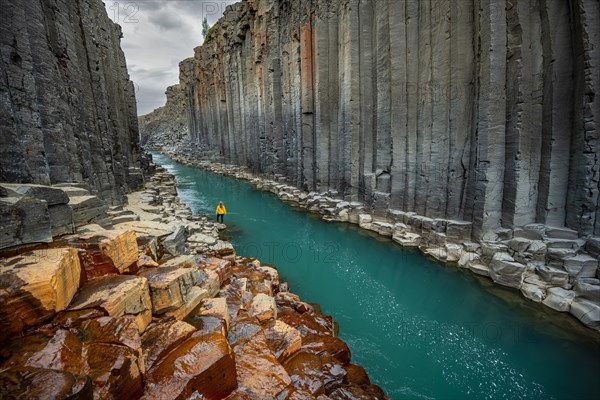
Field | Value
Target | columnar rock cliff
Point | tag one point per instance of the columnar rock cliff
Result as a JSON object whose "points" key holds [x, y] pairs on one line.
{"points": [[478, 110], [67, 106], [166, 125]]}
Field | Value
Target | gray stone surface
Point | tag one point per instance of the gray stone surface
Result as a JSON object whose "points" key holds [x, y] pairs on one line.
{"points": [[67, 106], [23, 220], [440, 113]]}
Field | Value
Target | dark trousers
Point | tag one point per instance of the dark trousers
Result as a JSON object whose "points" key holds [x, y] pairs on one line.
{"points": [[220, 216]]}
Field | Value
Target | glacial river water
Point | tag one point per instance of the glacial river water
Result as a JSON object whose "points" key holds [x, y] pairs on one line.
{"points": [[422, 330]]}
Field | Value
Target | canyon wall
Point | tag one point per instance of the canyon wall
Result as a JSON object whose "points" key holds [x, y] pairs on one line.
{"points": [[166, 125], [67, 106], [480, 110]]}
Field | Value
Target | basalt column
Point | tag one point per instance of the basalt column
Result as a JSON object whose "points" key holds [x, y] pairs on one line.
{"points": [[479, 110]]}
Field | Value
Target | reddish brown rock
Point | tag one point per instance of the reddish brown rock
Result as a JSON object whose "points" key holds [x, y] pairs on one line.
{"points": [[216, 307], [107, 251], [291, 302], [263, 307], [36, 285], [283, 340], [329, 345], [161, 338], [74, 319], [59, 350], [117, 295], [123, 330], [201, 363], [169, 287], [35, 383], [357, 375], [220, 266], [315, 374], [258, 371], [114, 370], [308, 322]]}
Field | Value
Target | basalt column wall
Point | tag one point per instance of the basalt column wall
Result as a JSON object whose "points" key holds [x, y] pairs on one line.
{"points": [[67, 106], [481, 110]]}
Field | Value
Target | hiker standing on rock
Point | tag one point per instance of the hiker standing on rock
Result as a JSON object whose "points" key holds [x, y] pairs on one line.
{"points": [[220, 211]]}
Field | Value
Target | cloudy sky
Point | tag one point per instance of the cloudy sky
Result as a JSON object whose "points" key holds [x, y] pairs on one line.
{"points": [[157, 36]]}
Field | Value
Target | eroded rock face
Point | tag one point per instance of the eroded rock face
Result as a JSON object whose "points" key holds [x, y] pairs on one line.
{"points": [[166, 125], [353, 114], [67, 121], [36, 285]]}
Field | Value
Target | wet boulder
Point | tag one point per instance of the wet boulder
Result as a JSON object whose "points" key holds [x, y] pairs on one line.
{"points": [[106, 251], [263, 307], [283, 340], [215, 307], [204, 364], [161, 338], [169, 287], [258, 371], [114, 370], [37, 383], [116, 296], [36, 285]]}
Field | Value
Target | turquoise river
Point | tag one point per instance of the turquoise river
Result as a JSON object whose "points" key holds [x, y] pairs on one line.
{"points": [[422, 330]]}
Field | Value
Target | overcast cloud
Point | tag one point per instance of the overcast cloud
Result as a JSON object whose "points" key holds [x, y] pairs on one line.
{"points": [[157, 35]]}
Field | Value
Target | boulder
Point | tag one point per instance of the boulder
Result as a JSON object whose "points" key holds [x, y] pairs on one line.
{"points": [[458, 230], [519, 245], [61, 219], [553, 276], [533, 292], [588, 288], [364, 221], [117, 295], [312, 373], [479, 269], [215, 307], [263, 307], [561, 233], [258, 372], [211, 282], [467, 258], [581, 266], [59, 350], [174, 244], [587, 311], [107, 251], [36, 285], [559, 299], [201, 363], [115, 371], [24, 220], [169, 287], [161, 338], [192, 300], [283, 340], [506, 272], [51, 195], [202, 238], [38, 383], [407, 239], [87, 210]]}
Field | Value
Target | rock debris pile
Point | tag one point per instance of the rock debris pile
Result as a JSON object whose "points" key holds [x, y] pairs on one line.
{"points": [[146, 301]]}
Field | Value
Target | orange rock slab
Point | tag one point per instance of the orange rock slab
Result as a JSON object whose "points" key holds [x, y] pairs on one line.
{"points": [[202, 363], [36, 285]]}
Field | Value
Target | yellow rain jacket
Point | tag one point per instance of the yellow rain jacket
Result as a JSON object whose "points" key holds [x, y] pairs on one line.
{"points": [[221, 210]]}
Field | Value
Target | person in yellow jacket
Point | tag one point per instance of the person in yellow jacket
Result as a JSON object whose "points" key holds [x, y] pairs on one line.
{"points": [[221, 211]]}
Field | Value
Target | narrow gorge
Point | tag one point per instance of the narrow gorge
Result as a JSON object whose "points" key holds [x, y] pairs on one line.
{"points": [[477, 110]]}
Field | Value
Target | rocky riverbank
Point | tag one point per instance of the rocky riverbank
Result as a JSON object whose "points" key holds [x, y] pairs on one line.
{"points": [[146, 301], [548, 265]]}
